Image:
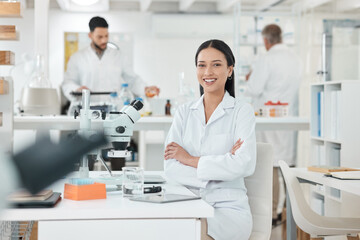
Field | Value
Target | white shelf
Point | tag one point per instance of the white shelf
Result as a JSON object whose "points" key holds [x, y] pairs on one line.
{"points": [[333, 141], [335, 118], [333, 82], [321, 139], [245, 44]]}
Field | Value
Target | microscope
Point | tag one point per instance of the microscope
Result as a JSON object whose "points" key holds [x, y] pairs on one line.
{"points": [[117, 126]]}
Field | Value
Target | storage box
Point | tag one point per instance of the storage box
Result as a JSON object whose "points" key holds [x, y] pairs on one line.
{"points": [[7, 58], [7, 32], [10, 9], [85, 192], [4, 86]]}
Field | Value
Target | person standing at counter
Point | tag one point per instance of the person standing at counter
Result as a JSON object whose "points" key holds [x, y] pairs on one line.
{"points": [[211, 145], [100, 68], [276, 76]]}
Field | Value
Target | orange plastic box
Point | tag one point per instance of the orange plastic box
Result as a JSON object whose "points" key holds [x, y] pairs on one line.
{"points": [[85, 192]]}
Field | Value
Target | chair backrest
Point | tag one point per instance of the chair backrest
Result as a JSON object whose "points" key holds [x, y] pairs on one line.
{"points": [[304, 216], [259, 191]]}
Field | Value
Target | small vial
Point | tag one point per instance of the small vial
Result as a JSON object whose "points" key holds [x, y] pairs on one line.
{"points": [[168, 108]]}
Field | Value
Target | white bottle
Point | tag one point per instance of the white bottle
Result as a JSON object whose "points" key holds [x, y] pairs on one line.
{"points": [[125, 94], [114, 102]]}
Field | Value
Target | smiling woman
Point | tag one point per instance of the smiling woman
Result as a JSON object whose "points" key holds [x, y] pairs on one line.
{"points": [[211, 145]]}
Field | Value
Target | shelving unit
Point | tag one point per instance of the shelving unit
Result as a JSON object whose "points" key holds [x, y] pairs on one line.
{"points": [[7, 32], [335, 116], [8, 9]]}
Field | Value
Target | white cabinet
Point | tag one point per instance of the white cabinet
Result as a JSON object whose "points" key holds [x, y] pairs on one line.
{"points": [[335, 116]]}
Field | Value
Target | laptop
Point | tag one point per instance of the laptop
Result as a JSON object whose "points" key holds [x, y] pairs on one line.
{"points": [[165, 198]]}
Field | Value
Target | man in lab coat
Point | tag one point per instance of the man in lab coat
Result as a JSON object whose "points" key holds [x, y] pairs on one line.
{"points": [[276, 76], [100, 68]]}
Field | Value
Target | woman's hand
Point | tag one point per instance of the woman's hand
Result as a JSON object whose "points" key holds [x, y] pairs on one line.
{"points": [[236, 146], [174, 150]]}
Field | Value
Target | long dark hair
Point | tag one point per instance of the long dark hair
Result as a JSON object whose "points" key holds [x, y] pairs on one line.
{"points": [[225, 49]]}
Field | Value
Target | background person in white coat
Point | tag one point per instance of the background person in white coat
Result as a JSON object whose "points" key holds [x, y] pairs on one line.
{"points": [[100, 68], [211, 145], [276, 76]]}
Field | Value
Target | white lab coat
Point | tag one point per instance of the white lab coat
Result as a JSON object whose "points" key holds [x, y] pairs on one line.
{"points": [[219, 178], [105, 74], [276, 76]]}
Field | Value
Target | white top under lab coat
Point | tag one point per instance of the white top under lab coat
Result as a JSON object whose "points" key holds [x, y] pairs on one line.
{"points": [[106, 74], [220, 175], [276, 76]]}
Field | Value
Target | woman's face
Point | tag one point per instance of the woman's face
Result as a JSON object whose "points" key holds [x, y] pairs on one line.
{"points": [[212, 70]]}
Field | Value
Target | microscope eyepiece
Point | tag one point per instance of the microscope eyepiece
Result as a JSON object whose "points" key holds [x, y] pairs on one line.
{"points": [[137, 104]]}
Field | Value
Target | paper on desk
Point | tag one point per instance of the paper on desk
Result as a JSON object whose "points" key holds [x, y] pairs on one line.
{"points": [[349, 175]]}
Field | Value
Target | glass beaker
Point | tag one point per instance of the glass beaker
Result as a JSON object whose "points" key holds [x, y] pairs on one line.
{"points": [[133, 181]]}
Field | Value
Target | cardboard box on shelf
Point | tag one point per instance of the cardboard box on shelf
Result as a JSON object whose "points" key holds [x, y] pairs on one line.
{"points": [[10, 9], [7, 32], [7, 58], [4, 86]]}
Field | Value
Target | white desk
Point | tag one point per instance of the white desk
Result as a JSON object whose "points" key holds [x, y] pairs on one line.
{"points": [[69, 123], [117, 218], [350, 186], [147, 123]]}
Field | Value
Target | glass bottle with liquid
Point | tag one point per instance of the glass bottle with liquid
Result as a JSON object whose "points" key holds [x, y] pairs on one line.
{"points": [[168, 107]]}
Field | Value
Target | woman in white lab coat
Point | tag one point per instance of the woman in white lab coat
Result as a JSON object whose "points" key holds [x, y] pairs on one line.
{"points": [[211, 146]]}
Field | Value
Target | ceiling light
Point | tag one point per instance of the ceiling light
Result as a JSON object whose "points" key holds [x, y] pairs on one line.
{"points": [[84, 2]]}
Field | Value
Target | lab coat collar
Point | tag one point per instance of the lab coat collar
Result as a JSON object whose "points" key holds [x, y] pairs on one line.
{"points": [[227, 102], [278, 46], [93, 50]]}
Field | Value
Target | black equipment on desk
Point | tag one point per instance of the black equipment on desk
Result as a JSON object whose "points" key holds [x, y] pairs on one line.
{"points": [[45, 162], [153, 189], [91, 93]]}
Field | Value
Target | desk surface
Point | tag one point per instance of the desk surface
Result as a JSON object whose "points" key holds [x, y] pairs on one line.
{"points": [[351, 186], [114, 207], [148, 123]]}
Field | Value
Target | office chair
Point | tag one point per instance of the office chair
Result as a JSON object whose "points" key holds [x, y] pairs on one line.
{"points": [[259, 191], [316, 225]]}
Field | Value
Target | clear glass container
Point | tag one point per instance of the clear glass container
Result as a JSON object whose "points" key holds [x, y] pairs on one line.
{"points": [[133, 181], [38, 78]]}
